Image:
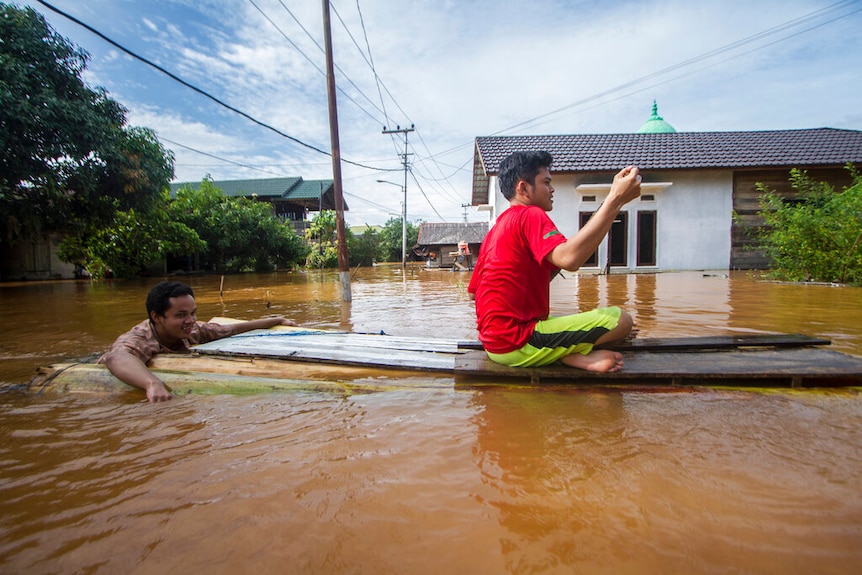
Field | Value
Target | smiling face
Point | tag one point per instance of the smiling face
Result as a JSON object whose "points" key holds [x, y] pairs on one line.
{"points": [[178, 321], [539, 193]]}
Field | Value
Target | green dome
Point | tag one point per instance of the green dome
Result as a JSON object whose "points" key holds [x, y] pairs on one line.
{"points": [[656, 124]]}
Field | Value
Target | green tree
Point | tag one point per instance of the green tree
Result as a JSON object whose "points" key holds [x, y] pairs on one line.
{"points": [[391, 239], [818, 237], [322, 237], [366, 248], [68, 162], [240, 234], [133, 241]]}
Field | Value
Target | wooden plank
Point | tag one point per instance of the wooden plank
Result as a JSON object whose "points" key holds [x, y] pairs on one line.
{"points": [[656, 344], [391, 352], [328, 349], [385, 341], [353, 340], [778, 340], [643, 370], [277, 368], [95, 378], [763, 364]]}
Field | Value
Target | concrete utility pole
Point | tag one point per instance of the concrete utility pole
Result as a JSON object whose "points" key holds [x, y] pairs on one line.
{"points": [[405, 131], [343, 259]]}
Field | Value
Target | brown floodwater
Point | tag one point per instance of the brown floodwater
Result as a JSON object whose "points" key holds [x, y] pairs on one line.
{"points": [[441, 477]]}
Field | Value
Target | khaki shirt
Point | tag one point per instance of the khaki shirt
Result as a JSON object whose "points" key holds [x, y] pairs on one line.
{"points": [[141, 340]]}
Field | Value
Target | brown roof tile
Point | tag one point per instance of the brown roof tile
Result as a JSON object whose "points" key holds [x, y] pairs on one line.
{"points": [[681, 150]]}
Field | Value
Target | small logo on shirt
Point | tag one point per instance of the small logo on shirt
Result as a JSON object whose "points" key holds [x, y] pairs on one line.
{"points": [[551, 233]]}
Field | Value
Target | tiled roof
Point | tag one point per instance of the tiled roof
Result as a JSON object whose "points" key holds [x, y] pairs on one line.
{"points": [[681, 150]]}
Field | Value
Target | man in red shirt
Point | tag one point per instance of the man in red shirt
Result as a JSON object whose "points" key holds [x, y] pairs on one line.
{"points": [[521, 254]]}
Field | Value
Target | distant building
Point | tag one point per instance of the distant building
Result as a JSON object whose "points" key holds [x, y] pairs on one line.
{"points": [[438, 243], [693, 184], [292, 199]]}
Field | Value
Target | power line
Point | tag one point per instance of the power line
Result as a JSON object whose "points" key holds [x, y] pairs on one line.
{"points": [[696, 59], [218, 157], [298, 49], [370, 60], [424, 195], [770, 31], [638, 82], [199, 90]]}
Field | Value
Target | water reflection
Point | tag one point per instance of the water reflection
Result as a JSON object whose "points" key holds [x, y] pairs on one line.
{"points": [[542, 455], [670, 483]]}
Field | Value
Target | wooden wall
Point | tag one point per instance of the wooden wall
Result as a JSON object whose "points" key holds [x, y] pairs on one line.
{"points": [[744, 254]]}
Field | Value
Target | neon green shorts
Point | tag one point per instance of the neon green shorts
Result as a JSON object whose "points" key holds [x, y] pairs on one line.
{"points": [[558, 337]]}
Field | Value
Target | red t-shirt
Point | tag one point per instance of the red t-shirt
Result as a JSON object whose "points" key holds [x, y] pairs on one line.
{"points": [[511, 280]]}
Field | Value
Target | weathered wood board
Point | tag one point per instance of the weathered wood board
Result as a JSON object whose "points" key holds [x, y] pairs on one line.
{"points": [[758, 366], [776, 340], [782, 340]]}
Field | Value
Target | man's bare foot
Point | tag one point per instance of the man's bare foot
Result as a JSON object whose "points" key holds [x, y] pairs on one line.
{"points": [[600, 360]]}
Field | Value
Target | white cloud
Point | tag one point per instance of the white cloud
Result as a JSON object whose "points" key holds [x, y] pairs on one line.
{"points": [[149, 24]]}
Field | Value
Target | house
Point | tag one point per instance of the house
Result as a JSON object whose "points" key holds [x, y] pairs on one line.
{"points": [[37, 259], [438, 243], [292, 198], [694, 183]]}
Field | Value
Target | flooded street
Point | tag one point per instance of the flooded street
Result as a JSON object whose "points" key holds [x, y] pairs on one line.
{"points": [[436, 478]]}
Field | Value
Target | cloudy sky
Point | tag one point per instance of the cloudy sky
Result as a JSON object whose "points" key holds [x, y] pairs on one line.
{"points": [[454, 69]]}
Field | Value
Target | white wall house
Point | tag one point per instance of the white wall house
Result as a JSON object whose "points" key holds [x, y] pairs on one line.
{"points": [[693, 185]]}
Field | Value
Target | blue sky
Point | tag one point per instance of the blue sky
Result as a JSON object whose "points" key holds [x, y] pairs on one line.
{"points": [[456, 69]]}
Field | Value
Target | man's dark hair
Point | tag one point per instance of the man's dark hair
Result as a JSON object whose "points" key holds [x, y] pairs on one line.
{"points": [[521, 166], [159, 298]]}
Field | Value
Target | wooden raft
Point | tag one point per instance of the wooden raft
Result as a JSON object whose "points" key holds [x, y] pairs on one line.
{"points": [[761, 360]]}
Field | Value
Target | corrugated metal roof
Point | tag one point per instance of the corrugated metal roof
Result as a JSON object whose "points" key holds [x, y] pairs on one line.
{"points": [[435, 233], [266, 187], [681, 150], [308, 190]]}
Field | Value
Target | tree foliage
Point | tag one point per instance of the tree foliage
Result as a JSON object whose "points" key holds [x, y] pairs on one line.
{"points": [[70, 164], [818, 237], [133, 241], [391, 239], [366, 248], [240, 234], [68, 161], [322, 237]]}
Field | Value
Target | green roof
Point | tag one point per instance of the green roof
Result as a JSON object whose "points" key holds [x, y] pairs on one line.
{"points": [[656, 124], [286, 188], [308, 189]]}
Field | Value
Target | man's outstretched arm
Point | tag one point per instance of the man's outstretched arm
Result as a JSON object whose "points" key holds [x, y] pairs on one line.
{"points": [[578, 248], [129, 369]]}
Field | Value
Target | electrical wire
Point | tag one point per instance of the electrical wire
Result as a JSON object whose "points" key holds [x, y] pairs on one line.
{"points": [[162, 138], [371, 61], [726, 48], [201, 91], [318, 68]]}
